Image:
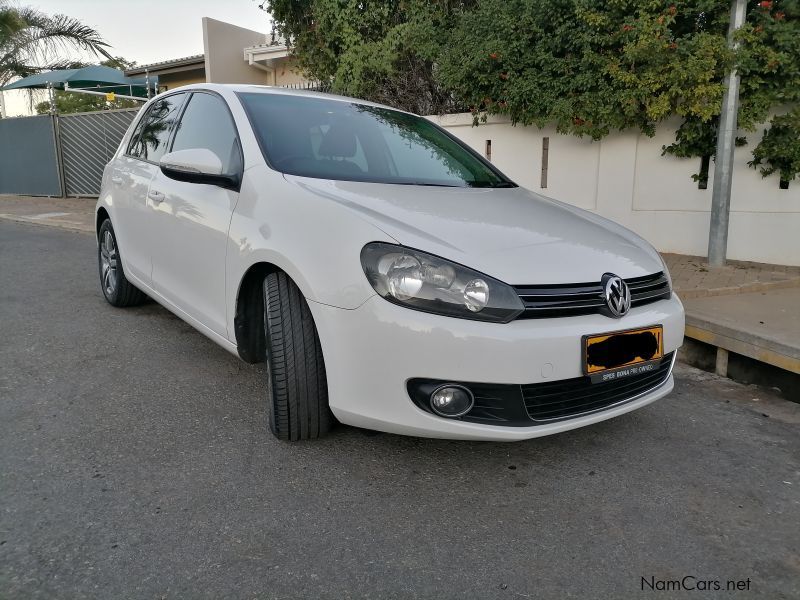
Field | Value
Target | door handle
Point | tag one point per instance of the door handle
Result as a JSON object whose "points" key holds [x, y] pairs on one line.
{"points": [[116, 180], [156, 196]]}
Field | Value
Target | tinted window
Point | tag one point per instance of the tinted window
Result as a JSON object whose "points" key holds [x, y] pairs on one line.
{"points": [[331, 139], [149, 141], [206, 123]]}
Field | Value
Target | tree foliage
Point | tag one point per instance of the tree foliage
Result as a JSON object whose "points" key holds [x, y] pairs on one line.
{"points": [[384, 51], [32, 41], [589, 67], [779, 150], [70, 102]]}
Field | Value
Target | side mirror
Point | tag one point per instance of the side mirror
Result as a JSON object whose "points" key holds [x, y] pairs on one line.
{"points": [[197, 165]]}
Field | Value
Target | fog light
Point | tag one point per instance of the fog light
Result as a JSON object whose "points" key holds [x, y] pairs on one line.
{"points": [[451, 401]]}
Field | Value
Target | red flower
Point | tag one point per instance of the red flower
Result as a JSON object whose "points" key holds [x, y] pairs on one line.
{"points": [[765, 4], [627, 27], [673, 46], [779, 16], [494, 55]]}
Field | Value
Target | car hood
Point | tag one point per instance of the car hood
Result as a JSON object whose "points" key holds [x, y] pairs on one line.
{"points": [[512, 234]]}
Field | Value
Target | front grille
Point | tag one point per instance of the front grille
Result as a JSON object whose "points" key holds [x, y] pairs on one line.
{"points": [[571, 397], [572, 299]]}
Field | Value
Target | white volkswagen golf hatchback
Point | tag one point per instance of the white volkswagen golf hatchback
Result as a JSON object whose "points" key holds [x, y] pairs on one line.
{"points": [[388, 275]]}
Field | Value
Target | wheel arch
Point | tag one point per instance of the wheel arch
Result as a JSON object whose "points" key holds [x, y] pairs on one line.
{"points": [[248, 318], [100, 216], [246, 308]]}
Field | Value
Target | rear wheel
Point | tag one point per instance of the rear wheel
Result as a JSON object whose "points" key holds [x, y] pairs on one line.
{"points": [[118, 291], [297, 389]]}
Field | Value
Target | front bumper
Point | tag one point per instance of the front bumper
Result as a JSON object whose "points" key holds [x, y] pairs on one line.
{"points": [[371, 352]]}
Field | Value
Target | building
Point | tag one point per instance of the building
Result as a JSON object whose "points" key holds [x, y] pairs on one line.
{"points": [[231, 54], [174, 73]]}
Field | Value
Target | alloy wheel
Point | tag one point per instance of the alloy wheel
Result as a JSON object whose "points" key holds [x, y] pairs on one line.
{"points": [[108, 263]]}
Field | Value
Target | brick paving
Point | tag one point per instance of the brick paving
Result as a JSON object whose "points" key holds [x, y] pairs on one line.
{"points": [[693, 278]]}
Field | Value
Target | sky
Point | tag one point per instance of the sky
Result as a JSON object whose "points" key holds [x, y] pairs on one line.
{"points": [[147, 31]]}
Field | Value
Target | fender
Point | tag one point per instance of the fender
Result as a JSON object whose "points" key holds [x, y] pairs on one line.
{"points": [[253, 239]]}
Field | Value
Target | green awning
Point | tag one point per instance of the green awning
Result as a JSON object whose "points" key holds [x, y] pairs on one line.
{"points": [[96, 78]]}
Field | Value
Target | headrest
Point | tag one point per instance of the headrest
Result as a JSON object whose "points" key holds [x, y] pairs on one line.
{"points": [[340, 141]]}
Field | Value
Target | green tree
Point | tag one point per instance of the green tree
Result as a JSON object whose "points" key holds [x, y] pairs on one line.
{"points": [[779, 149], [32, 41], [589, 67], [380, 50], [71, 102]]}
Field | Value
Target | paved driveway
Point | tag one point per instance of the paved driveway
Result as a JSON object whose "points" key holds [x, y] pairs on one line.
{"points": [[135, 462]]}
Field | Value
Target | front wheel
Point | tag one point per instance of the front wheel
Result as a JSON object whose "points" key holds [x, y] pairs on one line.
{"points": [[118, 291], [297, 389]]}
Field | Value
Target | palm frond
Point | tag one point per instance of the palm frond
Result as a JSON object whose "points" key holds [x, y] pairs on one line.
{"points": [[46, 36], [10, 22], [36, 40], [64, 30]]}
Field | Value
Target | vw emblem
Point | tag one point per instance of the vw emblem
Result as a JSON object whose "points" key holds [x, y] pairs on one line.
{"points": [[617, 295]]}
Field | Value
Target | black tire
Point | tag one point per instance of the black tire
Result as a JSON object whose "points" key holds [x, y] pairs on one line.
{"points": [[117, 290], [297, 389]]}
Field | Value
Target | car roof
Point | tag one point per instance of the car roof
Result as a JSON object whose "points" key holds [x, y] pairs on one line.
{"points": [[267, 89]]}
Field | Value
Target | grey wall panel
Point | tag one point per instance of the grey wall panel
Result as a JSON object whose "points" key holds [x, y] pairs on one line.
{"points": [[28, 163]]}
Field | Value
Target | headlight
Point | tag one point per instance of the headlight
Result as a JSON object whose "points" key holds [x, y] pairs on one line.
{"points": [[431, 284]]}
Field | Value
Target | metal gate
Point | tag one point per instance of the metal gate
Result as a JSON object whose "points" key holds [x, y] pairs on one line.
{"points": [[88, 141]]}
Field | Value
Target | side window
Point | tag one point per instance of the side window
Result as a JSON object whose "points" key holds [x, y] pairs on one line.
{"points": [[149, 141], [206, 123]]}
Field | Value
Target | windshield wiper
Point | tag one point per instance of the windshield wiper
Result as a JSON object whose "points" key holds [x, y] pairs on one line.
{"points": [[424, 183], [488, 184]]}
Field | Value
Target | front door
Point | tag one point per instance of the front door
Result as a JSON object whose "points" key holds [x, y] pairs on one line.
{"points": [[191, 220]]}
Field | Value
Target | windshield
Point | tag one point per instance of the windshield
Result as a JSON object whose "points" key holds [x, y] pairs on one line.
{"points": [[332, 139]]}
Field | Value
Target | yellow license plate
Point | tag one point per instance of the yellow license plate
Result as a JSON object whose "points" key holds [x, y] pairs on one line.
{"points": [[620, 350]]}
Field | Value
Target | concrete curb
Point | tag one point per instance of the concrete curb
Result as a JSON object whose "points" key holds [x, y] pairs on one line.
{"points": [[745, 288], [735, 340], [70, 226]]}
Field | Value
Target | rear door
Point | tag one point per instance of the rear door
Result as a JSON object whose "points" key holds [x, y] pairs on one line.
{"points": [[130, 178], [189, 237]]}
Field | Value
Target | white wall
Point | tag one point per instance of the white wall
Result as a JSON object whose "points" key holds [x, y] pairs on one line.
{"points": [[625, 178], [223, 46]]}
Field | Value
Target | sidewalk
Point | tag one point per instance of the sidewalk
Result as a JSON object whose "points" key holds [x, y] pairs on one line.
{"points": [[693, 278], [76, 214], [748, 308]]}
